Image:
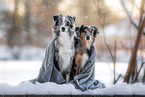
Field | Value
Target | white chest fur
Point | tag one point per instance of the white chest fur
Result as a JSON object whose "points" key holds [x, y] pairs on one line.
{"points": [[84, 59], [66, 52]]}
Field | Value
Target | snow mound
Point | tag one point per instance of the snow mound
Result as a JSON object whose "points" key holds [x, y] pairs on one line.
{"points": [[27, 87], [51, 88]]}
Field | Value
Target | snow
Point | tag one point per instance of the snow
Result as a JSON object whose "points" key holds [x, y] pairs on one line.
{"points": [[86, 17], [12, 73], [122, 89], [28, 53], [4, 7], [38, 88], [51, 88], [23, 53], [122, 28]]}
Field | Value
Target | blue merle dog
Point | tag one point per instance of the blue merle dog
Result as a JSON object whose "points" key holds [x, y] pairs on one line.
{"points": [[86, 37], [63, 30]]}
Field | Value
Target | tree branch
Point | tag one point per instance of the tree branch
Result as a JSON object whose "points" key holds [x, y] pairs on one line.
{"points": [[138, 72], [117, 78], [129, 15], [102, 25], [134, 53], [101, 13]]}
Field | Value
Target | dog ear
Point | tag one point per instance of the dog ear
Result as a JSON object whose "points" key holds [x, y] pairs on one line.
{"points": [[56, 17], [95, 31], [82, 26], [77, 30], [72, 18]]}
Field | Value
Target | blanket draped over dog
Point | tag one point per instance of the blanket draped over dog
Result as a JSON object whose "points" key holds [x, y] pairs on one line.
{"points": [[84, 80]]}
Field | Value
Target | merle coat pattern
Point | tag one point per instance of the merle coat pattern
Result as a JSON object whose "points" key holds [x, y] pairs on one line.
{"points": [[64, 45], [85, 38]]}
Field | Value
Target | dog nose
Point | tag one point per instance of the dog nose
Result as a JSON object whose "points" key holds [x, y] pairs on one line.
{"points": [[88, 37], [63, 29]]}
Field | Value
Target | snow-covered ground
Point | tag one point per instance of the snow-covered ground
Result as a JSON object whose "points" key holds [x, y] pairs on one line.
{"points": [[14, 72], [21, 53], [50, 88]]}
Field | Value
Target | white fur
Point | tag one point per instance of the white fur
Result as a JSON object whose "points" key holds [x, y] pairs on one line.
{"points": [[84, 59], [65, 51], [88, 46]]}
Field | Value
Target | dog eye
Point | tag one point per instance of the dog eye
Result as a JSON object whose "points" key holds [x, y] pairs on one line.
{"points": [[91, 31], [67, 23], [84, 32]]}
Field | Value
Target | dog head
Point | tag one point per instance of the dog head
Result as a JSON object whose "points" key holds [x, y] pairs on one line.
{"points": [[87, 34], [63, 25]]}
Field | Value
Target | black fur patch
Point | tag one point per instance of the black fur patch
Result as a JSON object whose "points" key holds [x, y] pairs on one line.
{"points": [[56, 17], [67, 23], [68, 28], [86, 29], [95, 30]]}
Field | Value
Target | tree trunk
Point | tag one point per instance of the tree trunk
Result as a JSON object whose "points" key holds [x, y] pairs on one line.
{"points": [[134, 52], [11, 35], [132, 61], [143, 80], [114, 61], [27, 21]]}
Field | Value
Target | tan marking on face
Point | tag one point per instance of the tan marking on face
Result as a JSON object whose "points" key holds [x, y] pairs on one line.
{"points": [[85, 42], [82, 37], [90, 41]]}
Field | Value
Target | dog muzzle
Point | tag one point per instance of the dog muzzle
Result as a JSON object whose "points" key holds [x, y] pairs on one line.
{"points": [[63, 29], [88, 38]]}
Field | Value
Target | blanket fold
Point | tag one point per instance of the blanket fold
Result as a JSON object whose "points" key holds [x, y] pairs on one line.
{"points": [[83, 81]]}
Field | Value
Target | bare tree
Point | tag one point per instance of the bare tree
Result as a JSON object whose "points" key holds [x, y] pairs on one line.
{"points": [[132, 62], [102, 16], [27, 20], [13, 29]]}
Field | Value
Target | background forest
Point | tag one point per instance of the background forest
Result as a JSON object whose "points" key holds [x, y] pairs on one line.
{"points": [[26, 28]]}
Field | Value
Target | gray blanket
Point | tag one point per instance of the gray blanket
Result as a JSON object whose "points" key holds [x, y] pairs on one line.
{"points": [[83, 81]]}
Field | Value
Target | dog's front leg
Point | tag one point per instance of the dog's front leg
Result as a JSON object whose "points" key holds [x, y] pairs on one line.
{"points": [[56, 60], [69, 70], [60, 64], [67, 77], [78, 59]]}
